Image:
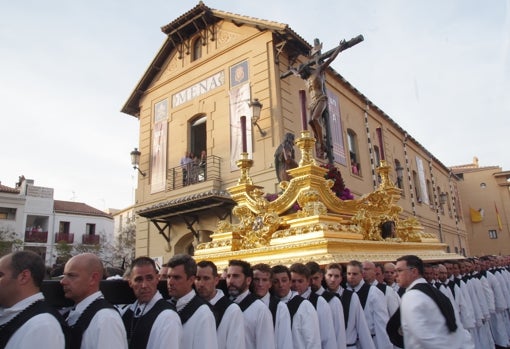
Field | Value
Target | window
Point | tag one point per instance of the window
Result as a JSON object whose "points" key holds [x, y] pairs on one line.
{"points": [[90, 229], [377, 156], [493, 234], [399, 170], [429, 192], [63, 227], [353, 152], [417, 188], [197, 49], [7, 213]]}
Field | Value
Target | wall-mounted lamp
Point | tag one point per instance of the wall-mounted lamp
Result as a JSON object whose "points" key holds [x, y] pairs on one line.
{"points": [[442, 198], [135, 161], [256, 107]]}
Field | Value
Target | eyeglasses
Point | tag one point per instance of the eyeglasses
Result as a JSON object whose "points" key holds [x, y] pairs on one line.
{"points": [[401, 270]]}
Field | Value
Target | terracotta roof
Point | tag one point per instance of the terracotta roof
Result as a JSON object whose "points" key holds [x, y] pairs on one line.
{"points": [[6, 189], [189, 24], [78, 208]]}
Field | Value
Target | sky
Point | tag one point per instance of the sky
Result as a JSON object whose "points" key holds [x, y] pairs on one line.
{"points": [[440, 69]]}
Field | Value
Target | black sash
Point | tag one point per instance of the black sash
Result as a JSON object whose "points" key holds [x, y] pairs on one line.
{"points": [[346, 304], [394, 329], [443, 302], [189, 309], [36, 308], [401, 291], [220, 308], [293, 306], [363, 294], [273, 307], [328, 296], [83, 322], [138, 330], [247, 301], [382, 287], [313, 298]]}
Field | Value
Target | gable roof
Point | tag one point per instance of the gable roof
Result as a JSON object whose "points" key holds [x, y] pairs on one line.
{"points": [[6, 189], [78, 208], [193, 22]]}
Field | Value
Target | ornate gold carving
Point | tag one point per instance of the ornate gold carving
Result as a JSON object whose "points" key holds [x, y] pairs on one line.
{"points": [[264, 227]]}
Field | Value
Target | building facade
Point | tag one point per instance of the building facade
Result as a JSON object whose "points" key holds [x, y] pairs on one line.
{"points": [[485, 193], [212, 67], [39, 222]]}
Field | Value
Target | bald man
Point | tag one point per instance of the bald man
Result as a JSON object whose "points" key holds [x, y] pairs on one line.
{"points": [[94, 322]]}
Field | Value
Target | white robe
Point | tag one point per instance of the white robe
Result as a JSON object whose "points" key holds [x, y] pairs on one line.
{"points": [[357, 333], [337, 313], [200, 330], [424, 326], [258, 325], [166, 330], [230, 332], [305, 324], [282, 328], [328, 339], [40, 331], [106, 329]]}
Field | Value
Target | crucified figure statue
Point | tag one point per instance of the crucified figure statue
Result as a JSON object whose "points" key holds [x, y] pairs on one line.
{"points": [[314, 73], [315, 84]]}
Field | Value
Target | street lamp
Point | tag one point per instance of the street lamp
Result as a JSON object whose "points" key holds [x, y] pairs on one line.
{"points": [[135, 161], [256, 107]]}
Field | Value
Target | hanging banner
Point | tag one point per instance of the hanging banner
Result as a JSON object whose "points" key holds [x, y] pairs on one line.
{"points": [[337, 134], [159, 147], [423, 185], [239, 106]]}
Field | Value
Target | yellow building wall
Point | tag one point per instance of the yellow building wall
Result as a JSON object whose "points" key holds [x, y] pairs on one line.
{"points": [[280, 114]]}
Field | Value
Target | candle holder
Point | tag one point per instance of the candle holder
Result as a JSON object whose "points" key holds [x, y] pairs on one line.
{"points": [[306, 143], [244, 164]]}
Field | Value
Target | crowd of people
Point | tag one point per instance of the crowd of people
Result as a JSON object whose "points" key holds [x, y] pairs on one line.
{"points": [[193, 167], [455, 304]]}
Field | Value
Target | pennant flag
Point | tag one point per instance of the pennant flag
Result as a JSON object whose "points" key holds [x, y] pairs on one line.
{"points": [[476, 215], [500, 225]]}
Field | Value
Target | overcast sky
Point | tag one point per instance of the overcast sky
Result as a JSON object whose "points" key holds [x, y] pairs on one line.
{"points": [[440, 69]]}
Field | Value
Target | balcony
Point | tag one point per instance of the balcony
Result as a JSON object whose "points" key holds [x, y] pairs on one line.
{"points": [[64, 237], [36, 236], [90, 239], [182, 176]]}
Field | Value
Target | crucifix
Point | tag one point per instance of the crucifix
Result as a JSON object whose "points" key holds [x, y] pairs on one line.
{"points": [[314, 73]]}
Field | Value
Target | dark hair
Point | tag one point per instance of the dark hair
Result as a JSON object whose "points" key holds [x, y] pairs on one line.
{"points": [[356, 264], [245, 266], [334, 266], [314, 268], [277, 269], [31, 261], [190, 266], [263, 267], [413, 262], [301, 269], [141, 261], [205, 264]]}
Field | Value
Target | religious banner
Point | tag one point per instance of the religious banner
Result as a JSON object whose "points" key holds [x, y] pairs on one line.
{"points": [[239, 106], [159, 147], [337, 134], [239, 74], [423, 185]]}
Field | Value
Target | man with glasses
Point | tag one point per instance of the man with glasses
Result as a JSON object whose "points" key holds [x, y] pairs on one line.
{"points": [[428, 318]]}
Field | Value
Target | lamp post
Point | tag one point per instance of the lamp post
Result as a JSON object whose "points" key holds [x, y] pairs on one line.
{"points": [[256, 107], [135, 161]]}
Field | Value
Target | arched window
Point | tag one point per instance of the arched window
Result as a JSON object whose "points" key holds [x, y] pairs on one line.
{"points": [[352, 141], [197, 49]]}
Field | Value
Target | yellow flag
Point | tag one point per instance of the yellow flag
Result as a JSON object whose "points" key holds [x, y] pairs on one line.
{"points": [[498, 217], [476, 215]]}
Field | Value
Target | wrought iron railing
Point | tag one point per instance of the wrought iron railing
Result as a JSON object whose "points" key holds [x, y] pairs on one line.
{"points": [[89, 239], [64, 237], [36, 236], [193, 173]]}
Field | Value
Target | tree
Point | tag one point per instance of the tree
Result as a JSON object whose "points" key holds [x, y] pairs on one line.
{"points": [[123, 251], [9, 241]]}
